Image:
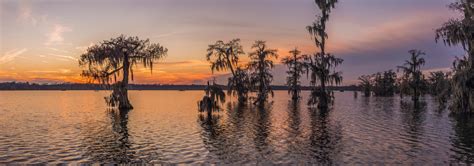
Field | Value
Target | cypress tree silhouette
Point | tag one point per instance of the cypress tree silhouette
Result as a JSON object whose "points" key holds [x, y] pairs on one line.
{"points": [[440, 86], [260, 65], [461, 32], [117, 57], [321, 65], [366, 84], [412, 72], [296, 68], [211, 101], [225, 56]]}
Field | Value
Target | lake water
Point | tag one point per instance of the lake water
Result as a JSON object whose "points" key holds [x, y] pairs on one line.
{"points": [[165, 127]]}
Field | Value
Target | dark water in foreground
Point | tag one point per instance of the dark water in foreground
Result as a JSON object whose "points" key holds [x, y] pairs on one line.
{"points": [[165, 127]]}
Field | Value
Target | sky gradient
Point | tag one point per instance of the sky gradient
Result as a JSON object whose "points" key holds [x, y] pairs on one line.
{"points": [[41, 40]]}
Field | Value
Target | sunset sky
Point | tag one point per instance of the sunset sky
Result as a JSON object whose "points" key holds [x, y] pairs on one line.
{"points": [[41, 40]]}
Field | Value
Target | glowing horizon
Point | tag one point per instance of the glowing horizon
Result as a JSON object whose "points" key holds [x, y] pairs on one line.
{"points": [[40, 41]]}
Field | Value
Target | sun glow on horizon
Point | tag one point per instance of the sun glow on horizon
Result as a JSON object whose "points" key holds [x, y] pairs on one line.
{"points": [[41, 41]]}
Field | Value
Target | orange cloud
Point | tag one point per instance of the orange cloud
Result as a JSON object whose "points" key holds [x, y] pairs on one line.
{"points": [[61, 75]]}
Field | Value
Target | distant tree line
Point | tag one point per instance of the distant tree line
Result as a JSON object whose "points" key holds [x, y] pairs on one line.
{"points": [[80, 86]]}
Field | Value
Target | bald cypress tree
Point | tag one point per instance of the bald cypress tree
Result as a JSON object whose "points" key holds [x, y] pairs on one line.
{"points": [[225, 57], [260, 64], [366, 84], [214, 96], [111, 59], [440, 87], [322, 65], [412, 72], [296, 69], [460, 31]]}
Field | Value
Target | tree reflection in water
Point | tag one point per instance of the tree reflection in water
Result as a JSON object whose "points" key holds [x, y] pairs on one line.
{"points": [[294, 128], [221, 140], [463, 142], [325, 138], [111, 146], [261, 130], [413, 117], [248, 136], [242, 138]]}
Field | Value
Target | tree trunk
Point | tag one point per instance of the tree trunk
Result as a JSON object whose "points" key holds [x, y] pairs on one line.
{"points": [[262, 87], [295, 79], [229, 62], [414, 98], [124, 103], [323, 98], [240, 94], [367, 93]]}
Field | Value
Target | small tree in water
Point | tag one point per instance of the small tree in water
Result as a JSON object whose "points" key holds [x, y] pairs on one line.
{"points": [[260, 65], [322, 65], [211, 101], [239, 84], [461, 32], [384, 83], [296, 68], [117, 57], [366, 84], [224, 57], [412, 72], [440, 86]]}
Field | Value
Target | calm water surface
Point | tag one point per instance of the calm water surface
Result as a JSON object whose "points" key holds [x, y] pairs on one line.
{"points": [[76, 127]]}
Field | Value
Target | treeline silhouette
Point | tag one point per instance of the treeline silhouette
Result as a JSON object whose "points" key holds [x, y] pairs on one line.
{"points": [[411, 82], [457, 85], [78, 86]]}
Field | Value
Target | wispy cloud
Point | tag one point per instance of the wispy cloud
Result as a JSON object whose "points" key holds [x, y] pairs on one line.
{"points": [[83, 49], [26, 14], [387, 34], [59, 57], [185, 63], [166, 35], [61, 71], [11, 55], [57, 50], [56, 36]]}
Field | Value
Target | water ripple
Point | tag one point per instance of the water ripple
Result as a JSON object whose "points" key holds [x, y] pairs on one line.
{"points": [[79, 129]]}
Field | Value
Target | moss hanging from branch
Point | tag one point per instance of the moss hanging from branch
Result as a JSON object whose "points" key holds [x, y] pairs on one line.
{"points": [[111, 59]]}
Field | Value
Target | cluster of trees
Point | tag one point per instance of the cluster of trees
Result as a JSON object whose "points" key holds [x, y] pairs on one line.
{"points": [[256, 76], [383, 83], [111, 63], [439, 86], [253, 77], [459, 84], [411, 82]]}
